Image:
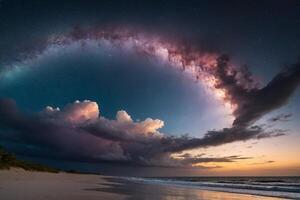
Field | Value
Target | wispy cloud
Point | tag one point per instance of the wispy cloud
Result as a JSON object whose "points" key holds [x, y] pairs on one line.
{"points": [[263, 163]]}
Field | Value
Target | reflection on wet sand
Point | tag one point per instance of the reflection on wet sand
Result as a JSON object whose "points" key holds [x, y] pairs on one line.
{"points": [[136, 191]]}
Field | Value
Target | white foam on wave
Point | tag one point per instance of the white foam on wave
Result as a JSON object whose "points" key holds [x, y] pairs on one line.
{"points": [[291, 192]]}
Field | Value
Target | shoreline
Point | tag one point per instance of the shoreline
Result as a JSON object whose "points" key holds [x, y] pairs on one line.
{"points": [[18, 184], [219, 189]]}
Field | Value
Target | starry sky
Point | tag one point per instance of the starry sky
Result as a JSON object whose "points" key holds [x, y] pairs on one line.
{"points": [[152, 88]]}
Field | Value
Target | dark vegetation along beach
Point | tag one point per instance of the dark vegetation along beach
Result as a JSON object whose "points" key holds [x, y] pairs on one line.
{"points": [[9, 160]]}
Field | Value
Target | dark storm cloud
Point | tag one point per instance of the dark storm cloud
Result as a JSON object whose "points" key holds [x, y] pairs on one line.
{"points": [[271, 97], [77, 132], [281, 118], [40, 131], [254, 102], [219, 137], [66, 133]]}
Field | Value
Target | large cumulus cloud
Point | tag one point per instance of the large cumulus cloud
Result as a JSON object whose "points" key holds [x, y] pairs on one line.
{"points": [[79, 132]]}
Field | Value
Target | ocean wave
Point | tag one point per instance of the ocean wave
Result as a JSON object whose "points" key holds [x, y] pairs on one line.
{"points": [[274, 189]]}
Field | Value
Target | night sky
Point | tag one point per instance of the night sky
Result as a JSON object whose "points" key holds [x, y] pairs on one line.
{"points": [[152, 88]]}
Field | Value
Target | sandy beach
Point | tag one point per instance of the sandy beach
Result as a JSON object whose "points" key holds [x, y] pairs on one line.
{"points": [[17, 184]]}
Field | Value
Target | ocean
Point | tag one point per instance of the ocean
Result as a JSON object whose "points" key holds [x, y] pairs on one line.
{"points": [[281, 187]]}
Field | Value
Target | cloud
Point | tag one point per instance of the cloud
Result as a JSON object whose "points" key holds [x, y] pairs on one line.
{"points": [[219, 137], [253, 102], [53, 136], [75, 113], [79, 132], [263, 163], [281, 118], [201, 159]]}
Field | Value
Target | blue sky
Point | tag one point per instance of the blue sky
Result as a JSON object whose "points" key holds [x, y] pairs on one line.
{"points": [[141, 86]]}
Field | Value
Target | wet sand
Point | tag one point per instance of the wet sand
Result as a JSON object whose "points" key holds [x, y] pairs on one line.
{"points": [[17, 184], [137, 191]]}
